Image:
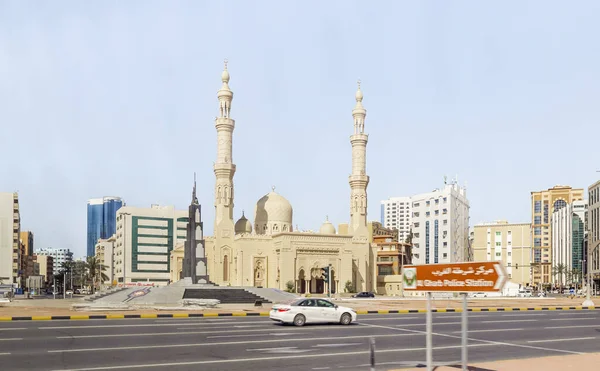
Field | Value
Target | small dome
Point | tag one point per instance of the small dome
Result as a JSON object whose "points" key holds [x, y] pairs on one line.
{"points": [[225, 76], [243, 225], [327, 227], [275, 212]]}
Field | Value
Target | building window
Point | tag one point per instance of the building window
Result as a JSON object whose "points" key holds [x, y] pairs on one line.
{"points": [[437, 201], [508, 264], [445, 255], [537, 242], [427, 213], [537, 208], [537, 220], [427, 203], [537, 231], [498, 254], [416, 204], [559, 204], [445, 221], [509, 253], [445, 199], [426, 242], [498, 244], [437, 212], [435, 242], [498, 234]]}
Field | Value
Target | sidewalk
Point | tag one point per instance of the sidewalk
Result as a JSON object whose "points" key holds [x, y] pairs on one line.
{"points": [[580, 362]]}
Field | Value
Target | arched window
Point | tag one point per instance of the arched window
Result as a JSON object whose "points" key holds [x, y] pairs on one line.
{"points": [[559, 204], [225, 268]]}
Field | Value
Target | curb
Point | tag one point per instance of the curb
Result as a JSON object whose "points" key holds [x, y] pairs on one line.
{"points": [[266, 314]]}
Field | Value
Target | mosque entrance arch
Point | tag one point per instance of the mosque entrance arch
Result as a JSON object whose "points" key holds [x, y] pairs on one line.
{"points": [[301, 282], [317, 283]]}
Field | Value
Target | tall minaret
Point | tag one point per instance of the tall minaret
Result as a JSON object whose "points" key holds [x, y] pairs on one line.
{"points": [[224, 167], [359, 180]]}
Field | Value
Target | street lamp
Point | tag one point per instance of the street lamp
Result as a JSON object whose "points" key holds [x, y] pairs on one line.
{"points": [[588, 301]]}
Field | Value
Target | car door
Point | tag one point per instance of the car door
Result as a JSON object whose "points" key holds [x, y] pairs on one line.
{"points": [[311, 311], [328, 310]]}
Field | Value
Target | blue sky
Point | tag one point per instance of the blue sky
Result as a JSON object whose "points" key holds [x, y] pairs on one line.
{"points": [[119, 98]]}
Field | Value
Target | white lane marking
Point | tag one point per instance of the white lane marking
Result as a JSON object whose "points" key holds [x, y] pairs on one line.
{"points": [[222, 325], [321, 368], [280, 350], [572, 319], [481, 340], [261, 359], [492, 330], [553, 340], [514, 320], [4, 354], [423, 324], [253, 335], [524, 315], [295, 339], [334, 345], [9, 339], [180, 333], [388, 318], [559, 327], [13, 328]]}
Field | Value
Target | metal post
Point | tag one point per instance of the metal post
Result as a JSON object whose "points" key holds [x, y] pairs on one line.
{"points": [[465, 333], [329, 281], [372, 354], [65, 285], [429, 330], [54, 286]]}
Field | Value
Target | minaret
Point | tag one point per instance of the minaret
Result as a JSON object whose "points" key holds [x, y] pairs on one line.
{"points": [[359, 180], [194, 256], [224, 167]]}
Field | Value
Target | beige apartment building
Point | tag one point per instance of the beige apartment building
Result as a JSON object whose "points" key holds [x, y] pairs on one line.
{"points": [[10, 242], [543, 205], [104, 251], [46, 268], [507, 242], [593, 220]]}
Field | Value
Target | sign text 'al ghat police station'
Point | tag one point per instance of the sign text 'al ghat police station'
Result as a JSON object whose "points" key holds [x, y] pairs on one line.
{"points": [[458, 277]]}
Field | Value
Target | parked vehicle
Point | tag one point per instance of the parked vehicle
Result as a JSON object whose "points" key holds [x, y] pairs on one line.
{"points": [[303, 311], [364, 294]]}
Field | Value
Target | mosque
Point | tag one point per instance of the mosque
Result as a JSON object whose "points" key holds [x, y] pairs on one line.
{"points": [[269, 252]]}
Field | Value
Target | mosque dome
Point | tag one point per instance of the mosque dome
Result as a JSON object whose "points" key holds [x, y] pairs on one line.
{"points": [[243, 225], [327, 227], [273, 214]]}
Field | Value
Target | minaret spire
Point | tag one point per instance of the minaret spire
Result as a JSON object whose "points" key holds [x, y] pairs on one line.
{"points": [[224, 167], [194, 198], [359, 180]]}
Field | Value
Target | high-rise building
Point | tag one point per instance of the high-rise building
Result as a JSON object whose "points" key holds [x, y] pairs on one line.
{"points": [[440, 226], [593, 222], [27, 239], [10, 244], [396, 212], [509, 243], [568, 236], [59, 257], [144, 240], [101, 220], [543, 205]]}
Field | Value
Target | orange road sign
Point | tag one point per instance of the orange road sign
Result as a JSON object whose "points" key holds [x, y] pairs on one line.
{"points": [[458, 277]]}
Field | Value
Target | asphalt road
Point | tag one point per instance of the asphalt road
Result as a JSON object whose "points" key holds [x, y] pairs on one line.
{"points": [[256, 343]]}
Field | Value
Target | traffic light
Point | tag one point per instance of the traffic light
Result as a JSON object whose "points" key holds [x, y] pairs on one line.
{"points": [[325, 273]]}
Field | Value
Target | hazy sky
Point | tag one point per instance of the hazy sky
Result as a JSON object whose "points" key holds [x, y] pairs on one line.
{"points": [[119, 98]]}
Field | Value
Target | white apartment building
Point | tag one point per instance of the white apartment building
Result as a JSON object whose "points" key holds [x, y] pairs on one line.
{"points": [[593, 257], [59, 257], [10, 231], [144, 240], [396, 212], [568, 238], [440, 226]]}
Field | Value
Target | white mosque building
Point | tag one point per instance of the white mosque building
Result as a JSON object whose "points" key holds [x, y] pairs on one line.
{"points": [[269, 252]]}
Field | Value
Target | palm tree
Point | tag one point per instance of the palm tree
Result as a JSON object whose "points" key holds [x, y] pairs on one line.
{"points": [[559, 270], [95, 271], [408, 240]]}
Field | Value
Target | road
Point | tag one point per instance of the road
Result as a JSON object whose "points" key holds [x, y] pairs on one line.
{"points": [[256, 343]]}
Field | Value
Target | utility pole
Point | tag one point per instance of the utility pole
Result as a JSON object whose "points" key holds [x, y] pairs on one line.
{"points": [[329, 280]]}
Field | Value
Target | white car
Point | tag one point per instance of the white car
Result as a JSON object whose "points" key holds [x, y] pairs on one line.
{"points": [[304, 311]]}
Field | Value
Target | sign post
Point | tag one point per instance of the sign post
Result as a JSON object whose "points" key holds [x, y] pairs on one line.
{"points": [[460, 278]]}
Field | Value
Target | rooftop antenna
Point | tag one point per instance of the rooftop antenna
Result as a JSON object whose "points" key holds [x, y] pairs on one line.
{"points": [[445, 179]]}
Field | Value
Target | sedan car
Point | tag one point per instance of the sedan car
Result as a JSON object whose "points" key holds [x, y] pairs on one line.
{"points": [[364, 295], [303, 311]]}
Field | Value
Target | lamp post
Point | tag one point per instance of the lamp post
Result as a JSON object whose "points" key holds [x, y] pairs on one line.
{"points": [[588, 300]]}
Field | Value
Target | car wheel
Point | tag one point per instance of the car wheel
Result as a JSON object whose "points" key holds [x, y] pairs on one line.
{"points": [[299, 320], [346, 319]]}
